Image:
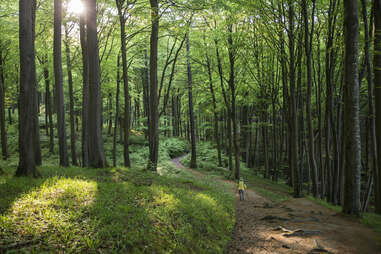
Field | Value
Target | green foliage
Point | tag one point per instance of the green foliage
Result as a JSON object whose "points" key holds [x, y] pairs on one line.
{"points": [[175, 147], [115, 210]]}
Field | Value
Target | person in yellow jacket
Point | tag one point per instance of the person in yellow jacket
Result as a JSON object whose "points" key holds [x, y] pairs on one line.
{"points": [[241, 188]]}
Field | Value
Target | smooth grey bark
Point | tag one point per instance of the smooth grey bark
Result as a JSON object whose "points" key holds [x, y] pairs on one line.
{"points": [[60, 102], [85, 89], [215, 113], [231, 82], [193, 161], [27, 96], [116, 111], [48, 104], [71, 98], [122, 20], [96, 150]]}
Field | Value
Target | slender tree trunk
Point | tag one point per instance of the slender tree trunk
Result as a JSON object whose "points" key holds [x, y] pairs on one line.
{"points": [[351, 110], [48, 103], [233, 116], [265, 148], [60, 102], [71, 97], [110, 114], [122, 20], [4, 146], [227, 104], [85, 90], [146, 92], [27, 96], [215, 113], [308, 37], [116, 111], [96, 150], [193, 162], [293, 109], [371, 120], [377, 85], [154, 116]]}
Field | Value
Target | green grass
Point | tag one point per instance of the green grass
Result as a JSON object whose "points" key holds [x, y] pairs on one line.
{"points": [[372, 220], [207, 163], [114, 210], [274, 191]]}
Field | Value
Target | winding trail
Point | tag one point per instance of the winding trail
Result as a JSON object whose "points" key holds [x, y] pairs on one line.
{"points": [[293, 226]]}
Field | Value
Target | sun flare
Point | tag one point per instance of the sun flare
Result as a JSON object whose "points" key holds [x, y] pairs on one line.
{"points": [[76, 7]]}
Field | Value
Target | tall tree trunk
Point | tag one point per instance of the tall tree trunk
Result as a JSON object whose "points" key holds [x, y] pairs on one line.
{"points": [[60, 102], [193, 162], [85, 90], [27, 96], [227, 104], [351, 109], [96, 150], [215, 113], [377, 85], [293, 111], [146, 96], [154, 116], [123, 37], [233, 116], [110, 114], [116, 111], [4, 146], [372, 120], [308, 48], [265, 147], [48, 103], [71, 98]]}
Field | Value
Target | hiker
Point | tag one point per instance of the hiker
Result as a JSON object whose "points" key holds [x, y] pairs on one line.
{"points": [[241, 189]]}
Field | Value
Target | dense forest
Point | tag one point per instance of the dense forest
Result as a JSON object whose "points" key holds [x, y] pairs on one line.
{"points": [[284, 92]]}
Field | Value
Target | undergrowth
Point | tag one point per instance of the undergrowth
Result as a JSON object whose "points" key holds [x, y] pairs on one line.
{"points": [[114, 210]]}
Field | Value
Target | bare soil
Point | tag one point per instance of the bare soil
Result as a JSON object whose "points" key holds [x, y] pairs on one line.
{"points": [[294, 226]]}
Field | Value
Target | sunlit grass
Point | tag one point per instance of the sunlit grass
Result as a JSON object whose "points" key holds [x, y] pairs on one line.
{"points": [[116, 210]]}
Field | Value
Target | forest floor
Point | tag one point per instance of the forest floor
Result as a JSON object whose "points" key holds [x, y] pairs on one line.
{"points": [[293, 226]]}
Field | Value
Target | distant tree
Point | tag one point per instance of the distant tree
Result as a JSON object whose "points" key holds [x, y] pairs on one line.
{"points": [[73, 149], [193, 162], [4, 146], [123, 6]]}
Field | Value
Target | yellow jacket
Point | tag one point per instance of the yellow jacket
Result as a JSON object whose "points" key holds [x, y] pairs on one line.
{"points": [[241, 185]]}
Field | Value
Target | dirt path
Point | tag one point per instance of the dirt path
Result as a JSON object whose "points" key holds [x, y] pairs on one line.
{"points": [[266, 227]]}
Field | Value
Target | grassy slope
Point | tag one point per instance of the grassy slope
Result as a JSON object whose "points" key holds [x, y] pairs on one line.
{"points": [[114, 210], [277, 192]]}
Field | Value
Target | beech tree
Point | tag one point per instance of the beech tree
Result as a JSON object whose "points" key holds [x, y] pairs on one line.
{"points": [[351, 110], [95, 142], [60, 104], [154, 118], [27, 96]]}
